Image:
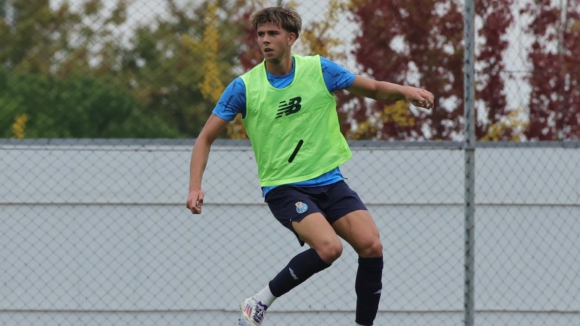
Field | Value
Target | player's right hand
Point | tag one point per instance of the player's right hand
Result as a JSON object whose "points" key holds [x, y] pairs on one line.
{"points": [[195, 201]]}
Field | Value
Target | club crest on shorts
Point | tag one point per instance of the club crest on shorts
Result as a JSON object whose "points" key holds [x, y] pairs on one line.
{"points": [[301, 207]]}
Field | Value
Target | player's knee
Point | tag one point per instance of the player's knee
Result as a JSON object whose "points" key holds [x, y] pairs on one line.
{"points": [[372, 247], [330, 251]]}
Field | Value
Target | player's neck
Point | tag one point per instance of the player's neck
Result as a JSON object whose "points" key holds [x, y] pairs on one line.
{"points": [[281, 68]]}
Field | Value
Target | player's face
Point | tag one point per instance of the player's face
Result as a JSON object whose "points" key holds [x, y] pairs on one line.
{"points": [[275, 42]]}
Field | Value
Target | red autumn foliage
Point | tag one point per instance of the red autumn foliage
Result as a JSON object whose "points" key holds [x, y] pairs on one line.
{"points": [[420, 43], [431, 32], [555, 71], [250, 54]]}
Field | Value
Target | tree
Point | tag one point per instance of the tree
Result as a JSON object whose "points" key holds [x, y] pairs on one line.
{"points": [[57, 41], [420, 42], [168, 63], [159, 68], [2, 8], [81, 106], [555, 70], [51, 81], [496, 17]]}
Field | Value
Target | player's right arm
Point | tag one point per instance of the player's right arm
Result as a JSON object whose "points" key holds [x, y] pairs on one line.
{"points": [[231, 103], [199, 156]]}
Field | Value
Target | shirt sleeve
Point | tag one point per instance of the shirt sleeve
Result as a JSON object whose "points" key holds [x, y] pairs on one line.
{"points": [[232, 101], [336, 77]]}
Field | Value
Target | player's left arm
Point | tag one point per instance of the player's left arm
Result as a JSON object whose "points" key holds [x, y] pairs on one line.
{"points": [[389, 92]]}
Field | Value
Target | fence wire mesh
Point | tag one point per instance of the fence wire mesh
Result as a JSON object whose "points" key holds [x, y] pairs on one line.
{"points": [[96, 233], [92, 206]]}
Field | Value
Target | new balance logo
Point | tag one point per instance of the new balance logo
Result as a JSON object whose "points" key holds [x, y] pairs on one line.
{"points": [[289, 108]]}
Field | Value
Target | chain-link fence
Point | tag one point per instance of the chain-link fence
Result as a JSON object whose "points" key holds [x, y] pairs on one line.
{"points": [[97, 233], [527, 221], [94, 229]]}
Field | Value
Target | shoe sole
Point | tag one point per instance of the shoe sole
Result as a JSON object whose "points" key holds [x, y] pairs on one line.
{"points": [[242, 323]]}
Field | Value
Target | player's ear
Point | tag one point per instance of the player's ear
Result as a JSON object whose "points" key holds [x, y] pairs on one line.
{"points": [[291, 38]]}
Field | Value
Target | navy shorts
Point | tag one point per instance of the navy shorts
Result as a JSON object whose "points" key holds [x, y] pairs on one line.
{"points": [[291, 203]]}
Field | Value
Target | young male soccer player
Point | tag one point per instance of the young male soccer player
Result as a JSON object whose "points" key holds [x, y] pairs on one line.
{"points": [[289, 113]]}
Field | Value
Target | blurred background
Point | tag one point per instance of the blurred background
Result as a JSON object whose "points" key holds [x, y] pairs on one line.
{"points": [[156, 68], [101, 102]]}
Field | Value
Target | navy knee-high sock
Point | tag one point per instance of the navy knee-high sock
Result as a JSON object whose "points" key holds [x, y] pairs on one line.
{"points": [[298, 270], [368, 288]]}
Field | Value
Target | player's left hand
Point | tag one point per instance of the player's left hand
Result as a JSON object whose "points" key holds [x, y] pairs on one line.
{"points": [[419, 97]]}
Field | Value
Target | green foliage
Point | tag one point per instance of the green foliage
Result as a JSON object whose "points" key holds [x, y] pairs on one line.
{"points": [[75, 75], [80, 106], [2, 8], [165, 72]]}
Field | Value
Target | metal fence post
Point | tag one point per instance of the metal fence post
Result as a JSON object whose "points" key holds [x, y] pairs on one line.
{"points": [[469, 97]]}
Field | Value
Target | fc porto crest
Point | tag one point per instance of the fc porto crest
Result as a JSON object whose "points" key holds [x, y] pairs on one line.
{"points": [[301, 207]]}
